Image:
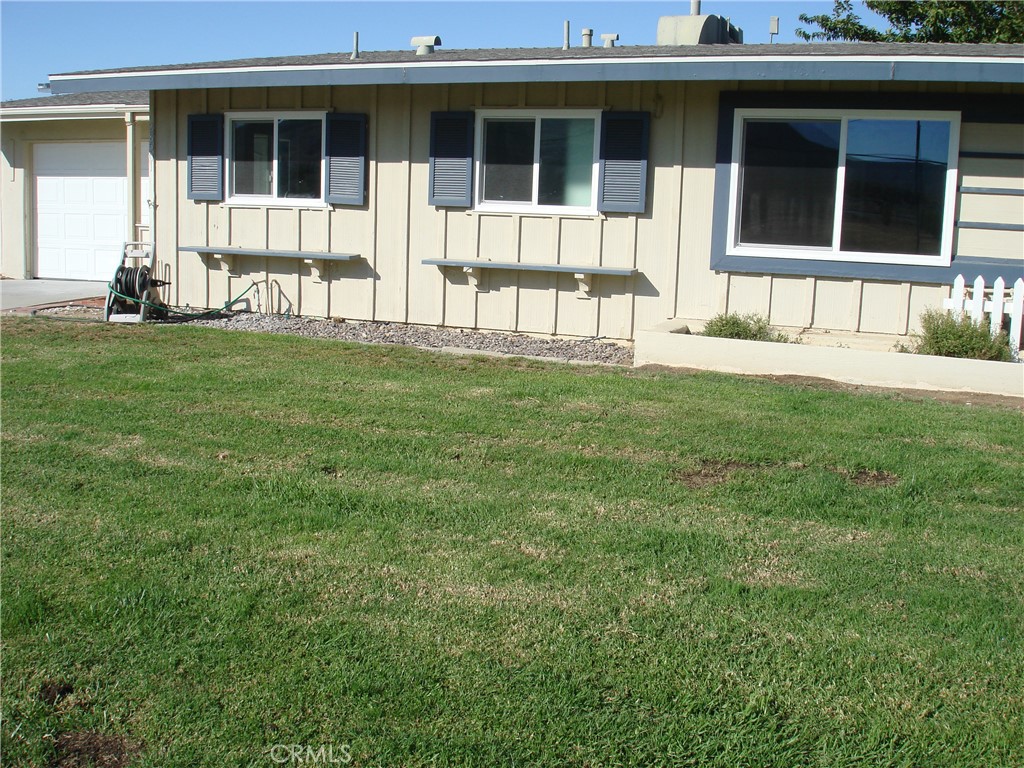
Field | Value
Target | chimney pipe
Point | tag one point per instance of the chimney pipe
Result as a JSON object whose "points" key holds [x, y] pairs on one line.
{"points": [[588, 37], [355, 46], [695, 7], [565, 36]]}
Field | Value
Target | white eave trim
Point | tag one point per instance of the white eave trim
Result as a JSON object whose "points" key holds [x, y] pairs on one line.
{"points": [[752, 67], [538, 62], [74, 112]]}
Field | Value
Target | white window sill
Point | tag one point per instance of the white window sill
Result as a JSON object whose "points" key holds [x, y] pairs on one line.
{"points": [[283, 204], [823, 254], [536, 210]]}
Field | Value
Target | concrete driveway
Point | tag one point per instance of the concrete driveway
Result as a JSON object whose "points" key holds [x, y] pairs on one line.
{"points": [[21, 294]]}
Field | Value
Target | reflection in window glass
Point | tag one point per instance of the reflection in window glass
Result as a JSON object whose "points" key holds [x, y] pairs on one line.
{"points": [[251, 159], [566, 162], [298, 158], [508, 160], [788, 183], [895, 186]]}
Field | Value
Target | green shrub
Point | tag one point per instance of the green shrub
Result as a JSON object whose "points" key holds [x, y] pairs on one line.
{"points": [[749, 327], [946, 335]]}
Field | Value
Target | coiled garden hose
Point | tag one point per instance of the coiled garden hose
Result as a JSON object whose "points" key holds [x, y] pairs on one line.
{"points": [[113, 288]]}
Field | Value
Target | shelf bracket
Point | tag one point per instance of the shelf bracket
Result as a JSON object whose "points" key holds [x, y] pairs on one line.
{"points": [[585, 285], [317, 268], [475, 276]]}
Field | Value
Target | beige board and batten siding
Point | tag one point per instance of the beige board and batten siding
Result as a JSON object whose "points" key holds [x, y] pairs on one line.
{"points": [[669, 245], [991, 173], [842, 304], [397, 228]]}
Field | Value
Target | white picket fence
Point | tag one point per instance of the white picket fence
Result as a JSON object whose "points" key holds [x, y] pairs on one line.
{"points": [[999, 303]]}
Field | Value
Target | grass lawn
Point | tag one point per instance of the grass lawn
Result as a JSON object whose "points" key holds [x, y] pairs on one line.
{"points": [[214, 544]]}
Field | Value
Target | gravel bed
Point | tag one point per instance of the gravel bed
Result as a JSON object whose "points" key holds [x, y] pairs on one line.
{"points": [[574, 350], [427, 337]]}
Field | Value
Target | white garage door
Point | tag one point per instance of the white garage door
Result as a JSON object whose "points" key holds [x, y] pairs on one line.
{"points": [[81, 209]]}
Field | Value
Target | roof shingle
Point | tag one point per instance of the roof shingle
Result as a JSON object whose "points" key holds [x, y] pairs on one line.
{"points": [[95, 98], [621, 52]]}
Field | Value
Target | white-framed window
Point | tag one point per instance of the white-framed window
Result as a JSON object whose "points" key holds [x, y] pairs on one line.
{"points": [[275, 158], [537, 161], [844, 185]]}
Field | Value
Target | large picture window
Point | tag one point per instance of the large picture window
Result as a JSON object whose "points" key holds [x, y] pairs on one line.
{"points": [[852, 186], [545, 162], [276, 158]]}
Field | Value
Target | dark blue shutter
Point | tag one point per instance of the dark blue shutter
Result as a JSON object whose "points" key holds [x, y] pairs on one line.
{"points": [[346, 159], [451, 159], [625, 139], [205, 157]]}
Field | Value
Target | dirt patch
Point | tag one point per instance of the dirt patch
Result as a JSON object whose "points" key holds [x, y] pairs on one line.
{"points": [[873, 477], [710, 473], [52, 691], [89, 749]]}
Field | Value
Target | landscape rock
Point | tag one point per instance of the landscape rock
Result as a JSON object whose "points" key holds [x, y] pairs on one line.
{"points": [[427, 337]]}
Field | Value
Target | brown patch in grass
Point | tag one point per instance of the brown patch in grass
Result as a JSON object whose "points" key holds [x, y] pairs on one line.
{"points": [[768, 568], [710, 473], [714, 472], [120, 447], [529, 550], [958, 572], [90, 749], [819, 533], [22, 437], [872, 477], [52, 691], [585, 406]]}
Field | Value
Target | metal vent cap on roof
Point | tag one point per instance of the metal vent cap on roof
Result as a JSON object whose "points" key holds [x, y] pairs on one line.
{"points": [[425, 44]]}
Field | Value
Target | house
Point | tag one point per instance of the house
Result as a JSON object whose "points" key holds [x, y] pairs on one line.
{"points": [[589, 191], [75, 183]]}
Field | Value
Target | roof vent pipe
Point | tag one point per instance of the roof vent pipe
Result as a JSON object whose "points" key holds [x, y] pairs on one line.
{"points": [[695, 7], [565, 36], [425, 44], [588, 37], [355, 46], [609, 40]]}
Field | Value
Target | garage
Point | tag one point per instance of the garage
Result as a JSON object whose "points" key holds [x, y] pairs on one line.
{"points": [[81, 209]]}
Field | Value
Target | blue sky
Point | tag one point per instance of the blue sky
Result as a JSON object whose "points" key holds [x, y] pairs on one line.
{"points": [[41, 38]]}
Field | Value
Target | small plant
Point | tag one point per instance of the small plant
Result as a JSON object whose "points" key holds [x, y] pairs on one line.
{"points": [[749, 327], [946, 335]]}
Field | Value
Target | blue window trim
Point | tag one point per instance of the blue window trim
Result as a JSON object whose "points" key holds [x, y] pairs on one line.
{"points": [[969, 266], [972, 110]]}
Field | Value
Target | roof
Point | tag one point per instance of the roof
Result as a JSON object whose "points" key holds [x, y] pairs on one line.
{"points": [[593, 52], [95, 105], [817, 61], [115, 98]]}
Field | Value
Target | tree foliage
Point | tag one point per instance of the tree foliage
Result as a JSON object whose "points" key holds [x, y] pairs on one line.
{"points": [[922, 21]]}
